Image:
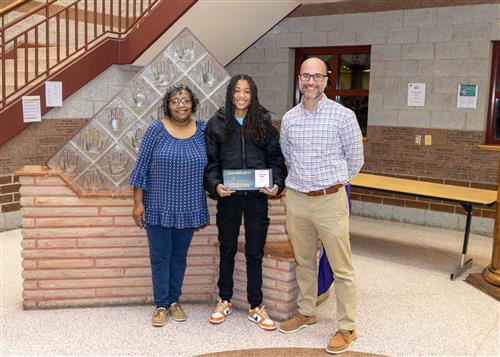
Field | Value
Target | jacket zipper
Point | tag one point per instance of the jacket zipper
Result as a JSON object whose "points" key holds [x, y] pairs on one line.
{"points": [[243, 153]]}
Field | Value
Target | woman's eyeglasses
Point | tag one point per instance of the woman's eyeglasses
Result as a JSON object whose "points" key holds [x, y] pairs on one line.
{"points": [[178, 101]]}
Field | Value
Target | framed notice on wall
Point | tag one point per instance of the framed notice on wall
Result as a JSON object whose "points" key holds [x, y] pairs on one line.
{"points": [[467, 96], [416, 94], [31, 109], [53, 94]]}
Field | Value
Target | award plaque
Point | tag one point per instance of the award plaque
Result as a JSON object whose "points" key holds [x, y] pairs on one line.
{"points": [[247, 179]]}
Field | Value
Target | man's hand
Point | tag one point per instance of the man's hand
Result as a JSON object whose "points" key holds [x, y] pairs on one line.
{"points": [[270, 192], [222, 191]]}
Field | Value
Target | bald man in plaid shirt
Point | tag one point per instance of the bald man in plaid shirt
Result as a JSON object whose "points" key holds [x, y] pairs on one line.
{"points": [[323, 146]]}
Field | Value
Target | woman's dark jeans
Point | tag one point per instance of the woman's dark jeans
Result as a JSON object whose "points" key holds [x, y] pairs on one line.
{"points": [[168, 249]]}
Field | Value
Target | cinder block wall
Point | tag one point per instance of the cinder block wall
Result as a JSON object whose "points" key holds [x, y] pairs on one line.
{"points": [[88, 252]]}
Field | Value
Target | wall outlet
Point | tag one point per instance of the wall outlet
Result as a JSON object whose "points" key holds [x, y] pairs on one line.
{"points": [[418, 139], [428, 139]]}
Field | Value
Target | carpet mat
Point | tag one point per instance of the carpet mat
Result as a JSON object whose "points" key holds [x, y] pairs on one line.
{"points": [[285, 352]]}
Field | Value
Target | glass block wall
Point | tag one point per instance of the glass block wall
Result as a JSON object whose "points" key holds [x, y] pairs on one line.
{"points": [[100, 157]]}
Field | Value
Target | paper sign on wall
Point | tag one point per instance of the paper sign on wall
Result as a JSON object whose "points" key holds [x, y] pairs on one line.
{"points": [[53, 94], [467, 96], [31, 109], [416, 94]]}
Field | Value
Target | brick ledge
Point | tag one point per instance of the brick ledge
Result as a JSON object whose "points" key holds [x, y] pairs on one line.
{"points": [[42, 170]]}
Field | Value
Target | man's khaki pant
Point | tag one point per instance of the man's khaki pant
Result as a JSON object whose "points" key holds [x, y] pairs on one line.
{"points": [[327, 218]]}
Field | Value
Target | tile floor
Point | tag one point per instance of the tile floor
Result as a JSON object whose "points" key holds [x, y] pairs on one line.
{"points": [[407, 307]]}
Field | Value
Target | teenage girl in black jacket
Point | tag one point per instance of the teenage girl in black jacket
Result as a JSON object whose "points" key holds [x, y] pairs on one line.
{"points": [[241, 136]]}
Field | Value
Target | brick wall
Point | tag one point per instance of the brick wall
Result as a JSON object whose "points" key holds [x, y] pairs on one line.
{"points": [[9, 193], [34, 145], [88, 252], [10, 217], [37, 143], [454, 158], [279, 285]]}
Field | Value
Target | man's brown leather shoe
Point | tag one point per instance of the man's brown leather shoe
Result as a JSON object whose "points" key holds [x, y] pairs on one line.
{"points": [[296, 322], [341, 342]]}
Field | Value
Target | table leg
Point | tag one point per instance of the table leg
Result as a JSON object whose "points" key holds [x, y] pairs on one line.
{"points": [[463, 263]]}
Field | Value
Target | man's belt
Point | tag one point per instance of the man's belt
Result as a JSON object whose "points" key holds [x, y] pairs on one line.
{"points": [[326, 191]]}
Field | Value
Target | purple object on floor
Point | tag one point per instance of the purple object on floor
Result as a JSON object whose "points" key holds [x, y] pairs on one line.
{"points": [[325, 273]]}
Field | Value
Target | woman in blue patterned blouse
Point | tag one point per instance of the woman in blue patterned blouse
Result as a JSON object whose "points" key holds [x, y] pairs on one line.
{"points": [[169, 199]]}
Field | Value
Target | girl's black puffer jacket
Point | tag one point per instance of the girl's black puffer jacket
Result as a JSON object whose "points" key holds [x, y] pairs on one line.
{"points": [[238, 152]]}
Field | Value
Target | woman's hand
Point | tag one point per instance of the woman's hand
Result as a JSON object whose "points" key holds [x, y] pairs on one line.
{"points": [[270, 192], [139, 214], [222, 191]]}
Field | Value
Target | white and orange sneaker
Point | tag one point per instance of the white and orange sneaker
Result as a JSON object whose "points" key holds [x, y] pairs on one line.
{"points": [[260, 317], [221, 311]]}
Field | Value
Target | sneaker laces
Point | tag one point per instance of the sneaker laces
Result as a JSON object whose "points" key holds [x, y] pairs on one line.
{"points": [[221, 306], [262, 312], [298, 316], [345, 334]]}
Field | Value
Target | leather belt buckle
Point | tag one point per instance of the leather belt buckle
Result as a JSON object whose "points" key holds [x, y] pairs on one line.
{"points": [[325, 191]]}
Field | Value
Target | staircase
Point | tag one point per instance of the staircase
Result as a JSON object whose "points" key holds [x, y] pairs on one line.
{"points": [[71, 41], [41, 35]]}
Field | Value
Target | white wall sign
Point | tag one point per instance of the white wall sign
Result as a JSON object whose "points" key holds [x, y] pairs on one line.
{"points": [[31, 109], [53, 94], [416, 94], [467, 96]]}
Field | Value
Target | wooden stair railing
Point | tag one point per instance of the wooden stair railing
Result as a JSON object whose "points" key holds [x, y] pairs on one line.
{"points": [[12, 5], [73, 43]]}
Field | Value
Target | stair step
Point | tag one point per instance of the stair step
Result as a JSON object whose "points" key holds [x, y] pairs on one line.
{"points": [[9, 68], [9, 89], [9, 64], [20, 79], [42, 52]]}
